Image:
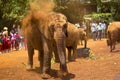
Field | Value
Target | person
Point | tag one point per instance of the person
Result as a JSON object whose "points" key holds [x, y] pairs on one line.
{"points": [[18, 29], [12, 37], [21, 40], [94, 30], [4, 43], [103, 25], [5, 31], [14, 28], [17, 40], [99, 31]]}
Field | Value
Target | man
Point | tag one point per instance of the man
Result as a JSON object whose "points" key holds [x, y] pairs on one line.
{"points": [[94, 30], [103, 25]]}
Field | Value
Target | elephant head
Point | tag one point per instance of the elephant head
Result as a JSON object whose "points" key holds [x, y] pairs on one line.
{"points": [[83, 36]]}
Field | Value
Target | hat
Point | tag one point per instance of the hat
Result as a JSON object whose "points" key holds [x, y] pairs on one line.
{"points": [[5, 28]]}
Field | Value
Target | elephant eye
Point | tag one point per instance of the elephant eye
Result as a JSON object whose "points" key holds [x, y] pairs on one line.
{"points": [[65, 26]]}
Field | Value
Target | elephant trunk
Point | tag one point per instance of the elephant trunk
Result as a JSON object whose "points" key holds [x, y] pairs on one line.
{"points": [[60, 42], [62, 57]]}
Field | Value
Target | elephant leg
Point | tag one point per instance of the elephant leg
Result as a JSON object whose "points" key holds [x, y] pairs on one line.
{"points": [[110, 48], [40, 58], [74, 52], [30, 57], [69, 54], [46, 59], [56, 54], [113, 46]]}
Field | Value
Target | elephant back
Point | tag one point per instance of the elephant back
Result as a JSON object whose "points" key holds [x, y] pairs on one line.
{"points": [[73, 35]]}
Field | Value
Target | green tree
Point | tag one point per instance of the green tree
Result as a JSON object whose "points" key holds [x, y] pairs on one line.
{"points": [[115, 10], [71, 8], [12, 11]]}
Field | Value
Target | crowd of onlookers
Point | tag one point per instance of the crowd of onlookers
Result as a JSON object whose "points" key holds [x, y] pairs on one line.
{"points": [[97, 29], [11, 40]]}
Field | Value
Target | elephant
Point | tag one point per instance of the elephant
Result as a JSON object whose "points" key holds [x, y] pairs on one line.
{"points": [[72, 41], [74, 35], [41, 29], [83, 37], [113, 33]]}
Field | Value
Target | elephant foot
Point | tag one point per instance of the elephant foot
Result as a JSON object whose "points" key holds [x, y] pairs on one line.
{"points": [[29, 68], [45, 76], [112, 49], [62, 74]]}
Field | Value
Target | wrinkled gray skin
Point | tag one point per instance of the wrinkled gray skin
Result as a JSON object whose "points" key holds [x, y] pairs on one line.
{"points": [[74, 35], [41, 30]]}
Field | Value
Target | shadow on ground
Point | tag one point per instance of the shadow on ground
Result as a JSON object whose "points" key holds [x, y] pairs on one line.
{"points": [[54, 74], [115, 51], [83, 52]]}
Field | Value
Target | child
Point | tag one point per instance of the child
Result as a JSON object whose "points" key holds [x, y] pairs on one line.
{"points": [[4, 43]]}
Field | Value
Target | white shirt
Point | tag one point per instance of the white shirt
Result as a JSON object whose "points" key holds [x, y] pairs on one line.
{"points": [[93, 27], [103, 25], [99, 27]]}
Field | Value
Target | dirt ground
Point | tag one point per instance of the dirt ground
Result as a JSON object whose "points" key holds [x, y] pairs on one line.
{"points": [[100, 65]]}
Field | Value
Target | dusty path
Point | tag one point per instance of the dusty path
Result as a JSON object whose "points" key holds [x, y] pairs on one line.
{"points": [[102, 65]]}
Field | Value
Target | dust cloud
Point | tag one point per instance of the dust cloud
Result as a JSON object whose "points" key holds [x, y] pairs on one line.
{"points": [[42, 5]]}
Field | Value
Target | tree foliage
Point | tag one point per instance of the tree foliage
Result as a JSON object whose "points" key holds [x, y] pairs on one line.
{"points": [[115, 10], [74, 12], [12, 11], [99, 17], [71, 8]]}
